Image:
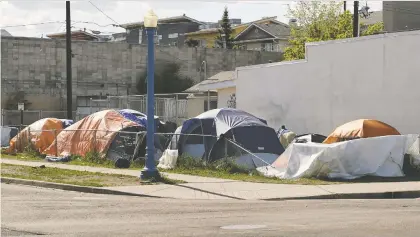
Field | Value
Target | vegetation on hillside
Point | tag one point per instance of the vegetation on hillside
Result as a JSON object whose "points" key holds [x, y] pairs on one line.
{"points": [[321, 21]]}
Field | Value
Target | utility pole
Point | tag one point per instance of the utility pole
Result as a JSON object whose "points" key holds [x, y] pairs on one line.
{"points": [[68, 62], [345, 6], [356, 19]]}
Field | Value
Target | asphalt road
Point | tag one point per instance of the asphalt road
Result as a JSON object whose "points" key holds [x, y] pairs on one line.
{"points": [[30, 211]]}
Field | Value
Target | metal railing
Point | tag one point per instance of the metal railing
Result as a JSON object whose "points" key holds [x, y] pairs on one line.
{"points": [[125, 144], [13, 117]]}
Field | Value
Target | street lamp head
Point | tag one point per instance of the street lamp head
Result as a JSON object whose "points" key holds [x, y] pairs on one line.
{"points": [[150, 19]]}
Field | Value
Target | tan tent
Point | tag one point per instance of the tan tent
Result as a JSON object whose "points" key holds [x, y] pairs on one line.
{"points": [[362, 128], [93, 133], [39, 135]]}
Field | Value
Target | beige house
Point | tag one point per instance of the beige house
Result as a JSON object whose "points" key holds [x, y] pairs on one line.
{"points": [[219, 89]]}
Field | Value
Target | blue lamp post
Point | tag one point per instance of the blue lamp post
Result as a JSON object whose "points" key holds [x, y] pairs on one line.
{"points": [[150, 171]]}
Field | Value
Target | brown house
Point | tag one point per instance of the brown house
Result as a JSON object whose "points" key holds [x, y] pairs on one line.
{"points": [[264, 37]]}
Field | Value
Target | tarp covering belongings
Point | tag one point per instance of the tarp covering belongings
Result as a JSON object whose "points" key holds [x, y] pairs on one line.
{"points": [[40, 135], [140, 118], [362, 128], [5, 136], [378, 156], [67, 122], [95, 132], [206, 137], [312, 137]]}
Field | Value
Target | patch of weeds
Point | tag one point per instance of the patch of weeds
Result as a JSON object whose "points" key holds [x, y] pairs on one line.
{"points": [[82, 178], [188, 162], [137, 163], [230, 166]]}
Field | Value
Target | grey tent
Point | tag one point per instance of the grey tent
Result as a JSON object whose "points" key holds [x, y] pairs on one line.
{"points": [[206, 136]]}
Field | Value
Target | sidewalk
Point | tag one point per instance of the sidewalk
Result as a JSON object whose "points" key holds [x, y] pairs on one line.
{"points": [[213, 188]]}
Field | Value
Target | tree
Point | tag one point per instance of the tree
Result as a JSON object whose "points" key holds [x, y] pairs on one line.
{"points": [[191, 43], [167, 80], [225, 32], [321, 21]]}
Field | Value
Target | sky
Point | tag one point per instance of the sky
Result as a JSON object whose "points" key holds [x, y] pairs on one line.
{"points": [[14, 13]]}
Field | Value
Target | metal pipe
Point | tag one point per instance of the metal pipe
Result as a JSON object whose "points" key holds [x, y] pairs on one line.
{"points": [[150, 170], [356, 19]]}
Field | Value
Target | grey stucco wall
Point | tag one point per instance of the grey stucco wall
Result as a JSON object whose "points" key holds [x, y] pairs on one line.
{"points": [[335, 85], [38, 67]]}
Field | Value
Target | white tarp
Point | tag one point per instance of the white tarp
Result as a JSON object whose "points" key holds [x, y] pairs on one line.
{"points": [[379, 156], [168, 159]]}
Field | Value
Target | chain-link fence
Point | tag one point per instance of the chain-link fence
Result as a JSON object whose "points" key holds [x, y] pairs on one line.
{"points": [[168, 107], [18, 117], [129, 144]]}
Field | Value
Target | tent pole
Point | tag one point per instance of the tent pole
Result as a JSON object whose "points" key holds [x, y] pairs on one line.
{"points": [[208, 100]]}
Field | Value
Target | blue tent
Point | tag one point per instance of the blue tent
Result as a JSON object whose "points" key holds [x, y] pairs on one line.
{"points": [[66, 122], [250, 132], [137, 119]]}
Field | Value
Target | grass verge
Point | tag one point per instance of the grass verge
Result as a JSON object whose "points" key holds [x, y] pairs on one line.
{"points": [[82, 178], [224, 170], [186, 165]]}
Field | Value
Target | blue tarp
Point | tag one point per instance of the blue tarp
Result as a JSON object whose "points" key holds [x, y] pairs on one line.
{"points": [[137, 119], [67, 122]]}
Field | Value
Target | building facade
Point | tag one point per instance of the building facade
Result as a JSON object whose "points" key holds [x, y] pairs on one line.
{"points": [[401, 16], [334, 85], [207, 37], [264, 37], [170, 31]]}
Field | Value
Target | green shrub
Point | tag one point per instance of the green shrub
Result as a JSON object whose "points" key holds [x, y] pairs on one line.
{"points": [[226, 165], [230, 166], [188, 162], [96, 158]]}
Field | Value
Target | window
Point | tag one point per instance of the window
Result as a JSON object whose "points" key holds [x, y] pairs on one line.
{"points": [[213, 104], [242, 47], [203, 43], [267, 47], [216, 45], [173, 36], [157, 39]]}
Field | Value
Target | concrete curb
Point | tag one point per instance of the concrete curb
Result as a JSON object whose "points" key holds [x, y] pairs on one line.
{"points": [[69, 187], [380, 195]]}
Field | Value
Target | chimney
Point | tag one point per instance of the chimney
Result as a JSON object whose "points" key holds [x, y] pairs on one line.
{"points": [[293, 22]]}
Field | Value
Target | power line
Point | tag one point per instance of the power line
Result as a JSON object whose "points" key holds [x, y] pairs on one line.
{"points": [[94, 23], [103, 12], [33, 24], [57, 22]]}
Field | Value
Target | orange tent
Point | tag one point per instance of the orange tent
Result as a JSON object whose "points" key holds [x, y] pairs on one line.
{"points": [[40, 135], [362, 128], [93, 133]]}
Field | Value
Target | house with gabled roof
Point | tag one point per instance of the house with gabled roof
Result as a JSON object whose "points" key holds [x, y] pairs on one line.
{"points": [[264, 37], [76, 35], [207, 37]]}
